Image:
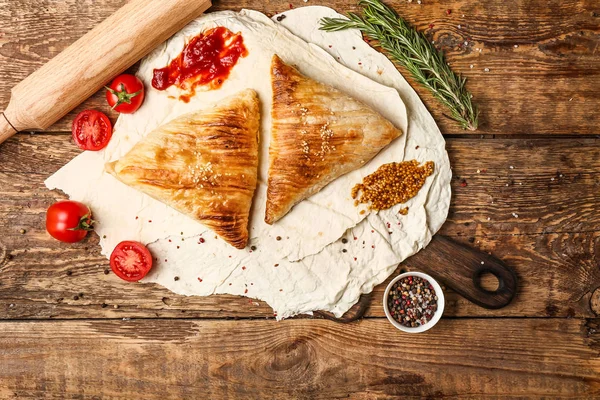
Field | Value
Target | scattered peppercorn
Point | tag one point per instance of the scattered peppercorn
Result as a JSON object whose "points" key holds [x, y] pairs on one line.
{"points": [[278, 238], [253, 248], [344, 251], [69, 273], [392, 184], [412, 301], [176, 278], [106, 271], [75, 297], [344, 240], [104, 305], [281, 17]]}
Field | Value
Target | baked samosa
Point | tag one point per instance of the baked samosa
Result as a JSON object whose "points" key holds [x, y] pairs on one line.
{"points": [[318, 135], [203, 164]]}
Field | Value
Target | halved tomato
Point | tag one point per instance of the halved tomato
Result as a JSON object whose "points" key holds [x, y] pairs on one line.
{"points": [[92, 130], [131, 261]]}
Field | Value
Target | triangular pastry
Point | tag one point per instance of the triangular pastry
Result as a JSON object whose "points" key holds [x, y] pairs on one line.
{"points": [[318, 135], [203, 164]]}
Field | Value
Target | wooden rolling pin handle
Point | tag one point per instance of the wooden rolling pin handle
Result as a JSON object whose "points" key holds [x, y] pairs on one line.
{"points": [[91, 62], [6, 128]]}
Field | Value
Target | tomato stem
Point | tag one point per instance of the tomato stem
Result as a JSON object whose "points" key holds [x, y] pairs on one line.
{"points": [[122, 96], [86, 223]]}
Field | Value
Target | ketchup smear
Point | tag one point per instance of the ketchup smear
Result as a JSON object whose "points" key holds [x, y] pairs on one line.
{"points": [[206, 59]]}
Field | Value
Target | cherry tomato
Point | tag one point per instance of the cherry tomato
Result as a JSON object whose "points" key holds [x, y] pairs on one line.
{"points": [[69, 221], [131, 261], [125, 94], [92, 130]]}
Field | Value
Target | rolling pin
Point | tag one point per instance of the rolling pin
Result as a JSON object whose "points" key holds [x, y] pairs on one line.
{"points": [[90, 63]]}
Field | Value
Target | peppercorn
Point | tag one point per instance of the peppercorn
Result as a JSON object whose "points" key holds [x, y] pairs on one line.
{"points": [[412, 301]]}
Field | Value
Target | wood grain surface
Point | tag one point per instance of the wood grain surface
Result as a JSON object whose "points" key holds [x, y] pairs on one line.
{"points": [[526, 189], [546, 85], [183, 359]]}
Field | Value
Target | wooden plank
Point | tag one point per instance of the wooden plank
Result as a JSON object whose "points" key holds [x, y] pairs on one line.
{"points": [[174, 359], [554, 244], [546, 85]]}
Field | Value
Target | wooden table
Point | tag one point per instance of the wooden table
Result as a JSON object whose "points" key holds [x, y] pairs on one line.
{"points": [[526, 189]]}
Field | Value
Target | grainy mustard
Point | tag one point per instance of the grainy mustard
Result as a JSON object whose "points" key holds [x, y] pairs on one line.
{"points": [[392, 184]]}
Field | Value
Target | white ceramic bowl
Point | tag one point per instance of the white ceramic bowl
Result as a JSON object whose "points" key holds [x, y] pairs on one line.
{"points": [[436, 317]]}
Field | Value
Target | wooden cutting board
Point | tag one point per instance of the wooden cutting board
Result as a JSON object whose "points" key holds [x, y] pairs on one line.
{"points": [[458, 267]]}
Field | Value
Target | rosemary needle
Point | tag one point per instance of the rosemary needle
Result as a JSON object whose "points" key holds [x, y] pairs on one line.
{"points": [[412, 50]]}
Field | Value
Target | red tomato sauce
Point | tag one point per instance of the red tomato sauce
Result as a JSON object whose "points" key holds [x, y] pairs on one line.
{"points": [[206, 60]]}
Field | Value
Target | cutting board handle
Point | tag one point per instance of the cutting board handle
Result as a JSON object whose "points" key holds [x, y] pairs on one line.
{"points": [[461, 268]]}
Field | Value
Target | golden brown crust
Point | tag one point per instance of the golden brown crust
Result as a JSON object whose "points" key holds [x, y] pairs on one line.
{"points": [[202, 164], [318, 135]]}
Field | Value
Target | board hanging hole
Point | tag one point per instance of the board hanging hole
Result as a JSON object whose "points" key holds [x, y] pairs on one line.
{"points": [[488, 281]]}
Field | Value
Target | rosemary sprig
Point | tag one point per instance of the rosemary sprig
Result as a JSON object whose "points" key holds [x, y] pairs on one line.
{"points": [[413, 51]]}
